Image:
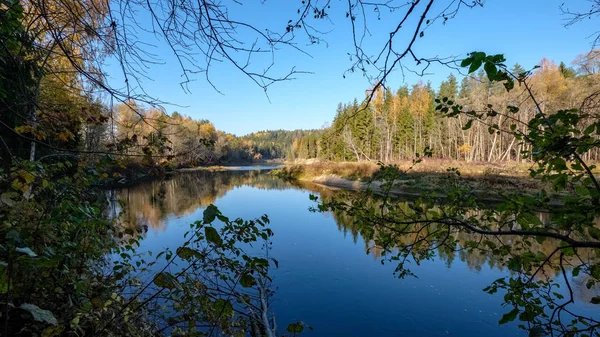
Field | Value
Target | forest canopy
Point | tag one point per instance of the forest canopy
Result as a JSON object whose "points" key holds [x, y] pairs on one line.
{"points": [[181, 141], [396, 124]]}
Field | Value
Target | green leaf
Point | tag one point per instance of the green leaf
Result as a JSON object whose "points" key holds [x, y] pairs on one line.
{"points": [[295, 327], [247, 281], [39, 314], [589, 129], [498, 58], [577, 166], [567, 250], [559, 164], [478, 56], [53, 331], [187, 253], [210, 213], [466, 62], [514, 264], [468, 125], [594, 232], [166, 280], [509, 317], [13, 236], [213, 236], [475, 65], [527, 316], [528, 220], [490, 70], [582, 191], [224, 308], [509, 84], [223, 218], [595, 300], [537, 332], [261, 262], [560, 181]]}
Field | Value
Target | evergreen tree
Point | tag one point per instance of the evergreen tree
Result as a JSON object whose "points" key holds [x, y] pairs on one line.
{"points": [[567, 72], [449, 88], [517, 69]]}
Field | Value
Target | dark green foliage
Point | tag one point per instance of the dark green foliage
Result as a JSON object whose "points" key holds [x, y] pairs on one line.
{"points": [[16, 83], [54, 241], [271, 144]]}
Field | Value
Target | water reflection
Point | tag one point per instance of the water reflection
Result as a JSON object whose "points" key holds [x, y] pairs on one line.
{"points": [[540, 276], [155, 205], [151, 204]]}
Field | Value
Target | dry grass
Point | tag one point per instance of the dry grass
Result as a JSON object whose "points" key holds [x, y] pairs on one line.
{"points": [[431, 174], [432, 165], [347, 170], [364, 170]]}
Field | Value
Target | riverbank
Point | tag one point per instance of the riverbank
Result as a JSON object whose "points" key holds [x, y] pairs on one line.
{"points": [[220, 168], [131, 174], [486, 181]]}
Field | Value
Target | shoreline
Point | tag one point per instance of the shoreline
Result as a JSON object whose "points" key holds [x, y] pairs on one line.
{"points": [[489, 187], [219, 168], [336, 182]]}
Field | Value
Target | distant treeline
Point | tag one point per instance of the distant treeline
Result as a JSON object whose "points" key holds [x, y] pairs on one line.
{"points": [[394, 125], [184, 141], [397, 124], [275, 144]]}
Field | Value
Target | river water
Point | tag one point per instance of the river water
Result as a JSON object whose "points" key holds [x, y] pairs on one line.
{"points": [[325, 277]]}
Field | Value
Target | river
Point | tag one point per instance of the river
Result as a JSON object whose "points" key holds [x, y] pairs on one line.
{"points": [[325, 277]]}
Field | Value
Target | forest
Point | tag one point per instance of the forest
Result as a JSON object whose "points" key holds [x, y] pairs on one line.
{"points": [[396, 124], [75, 118], [181, 141]]}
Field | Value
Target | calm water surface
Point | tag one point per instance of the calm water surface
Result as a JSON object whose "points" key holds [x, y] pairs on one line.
{"points": [[325, 277]]}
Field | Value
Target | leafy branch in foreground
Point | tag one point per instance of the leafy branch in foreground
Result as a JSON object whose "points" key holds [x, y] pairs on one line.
{"points": [[545, 240], [62, 280], [210, 283]]}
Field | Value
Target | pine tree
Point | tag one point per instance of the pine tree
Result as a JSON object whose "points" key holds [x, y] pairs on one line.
{"points": [[567, 72], [449, 88]]}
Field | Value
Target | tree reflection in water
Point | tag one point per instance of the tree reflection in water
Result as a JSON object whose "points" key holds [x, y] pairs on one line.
{"points": [[151, 204]]}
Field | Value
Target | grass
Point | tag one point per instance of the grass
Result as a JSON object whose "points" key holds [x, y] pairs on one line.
{"points": [[347, 170], [429, 175]]}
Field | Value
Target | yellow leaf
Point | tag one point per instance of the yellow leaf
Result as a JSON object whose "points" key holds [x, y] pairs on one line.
{"points": [[64, 136], [40, 135], [28, 177], [16, 184], [24, 129], [464, 149]]}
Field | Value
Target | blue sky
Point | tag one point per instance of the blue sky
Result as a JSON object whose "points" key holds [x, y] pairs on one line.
{"points": [[524, 30]]}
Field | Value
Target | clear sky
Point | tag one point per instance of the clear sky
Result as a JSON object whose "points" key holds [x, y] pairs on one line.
{"points": [[524, 30]]}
